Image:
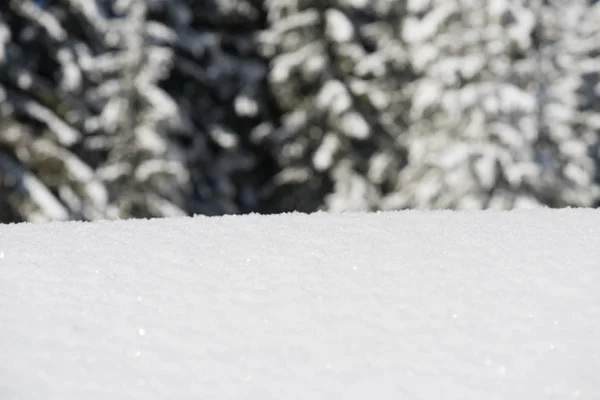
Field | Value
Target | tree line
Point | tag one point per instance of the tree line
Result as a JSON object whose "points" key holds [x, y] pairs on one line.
{"points": [[156, 108]]}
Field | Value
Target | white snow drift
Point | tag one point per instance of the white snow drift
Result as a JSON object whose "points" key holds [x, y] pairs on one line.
{"points": [[406, 305]]}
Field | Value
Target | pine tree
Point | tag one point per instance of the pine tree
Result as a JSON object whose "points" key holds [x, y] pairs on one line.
{"points": [[145, 176], [43, 119], [569, 93], [217, 80], [130, 108], [153, 108], [337, 75], [493, 116]]}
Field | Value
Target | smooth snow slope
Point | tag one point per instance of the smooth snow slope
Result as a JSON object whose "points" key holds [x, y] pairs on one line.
{"points": [[407, 305]]}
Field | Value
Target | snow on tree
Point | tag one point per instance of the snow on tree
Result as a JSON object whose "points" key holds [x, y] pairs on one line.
{"points": [[494, 118], [146, 177], [130, 108], [569, 91], [337, 71], [42, 120], [153, 108], [217, 80]]}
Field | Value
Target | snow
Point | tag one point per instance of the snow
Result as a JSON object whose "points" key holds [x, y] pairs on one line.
{"points": [[398, 305], [338, 27], [5, 37], [323, 157], [41, 203], [334, 95], [65, 134], [354, 126]]}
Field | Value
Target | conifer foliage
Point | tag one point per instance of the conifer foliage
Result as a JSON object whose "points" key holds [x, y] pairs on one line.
{"points": [[338, 72], [128, 108], [497, 113], [154, 108]]}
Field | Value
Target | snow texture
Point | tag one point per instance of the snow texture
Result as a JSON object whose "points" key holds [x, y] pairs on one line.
{"points": [[398, 305]]}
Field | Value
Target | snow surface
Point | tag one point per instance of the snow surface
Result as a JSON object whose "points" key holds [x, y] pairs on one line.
{"points": [[405, 305]]}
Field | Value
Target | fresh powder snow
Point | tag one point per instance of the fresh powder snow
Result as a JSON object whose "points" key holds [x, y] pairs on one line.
{"points": [[398, 305]]}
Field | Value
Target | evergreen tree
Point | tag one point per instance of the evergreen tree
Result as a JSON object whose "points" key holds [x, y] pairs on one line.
{"points": [[493, 114], [43, 118], [129, 108], [337, 74], [153, 108], [217, 81]]}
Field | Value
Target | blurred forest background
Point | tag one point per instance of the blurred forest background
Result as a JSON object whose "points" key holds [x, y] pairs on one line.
{"points": [[153, 108]]}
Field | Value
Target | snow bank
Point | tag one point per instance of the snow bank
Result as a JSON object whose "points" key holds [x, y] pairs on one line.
{"points": [[406, 305]]}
